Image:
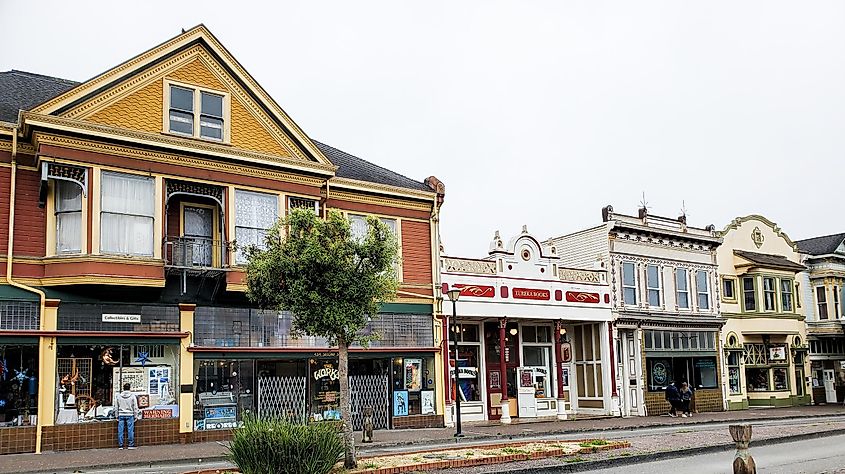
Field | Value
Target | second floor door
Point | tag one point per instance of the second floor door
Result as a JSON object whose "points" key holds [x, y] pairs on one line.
{"points": [[199, 234]]}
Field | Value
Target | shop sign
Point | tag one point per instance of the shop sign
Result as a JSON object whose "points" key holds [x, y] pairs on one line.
{"points": [[659, 373], [777, 353], [121, 318], [566, 352], [842, 364], [495, 380], [478, 291], [531, 294], [464, 372], [330, 373], [582, 297], [219, 413], [157, 413], [564, 376], [526, 378]]}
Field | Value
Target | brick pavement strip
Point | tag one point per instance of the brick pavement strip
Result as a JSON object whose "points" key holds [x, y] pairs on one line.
{"points": [[168, 454]]}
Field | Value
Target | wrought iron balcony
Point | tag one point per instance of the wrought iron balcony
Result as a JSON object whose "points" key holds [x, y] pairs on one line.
{"points": [[196, 253]]}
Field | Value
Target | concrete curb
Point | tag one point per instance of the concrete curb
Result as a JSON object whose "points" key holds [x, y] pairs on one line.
{"points": [[660, 455]]}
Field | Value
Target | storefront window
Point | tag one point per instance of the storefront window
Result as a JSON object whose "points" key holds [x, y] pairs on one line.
{"points": [[224, 393], [780, 378], [588, 361], [413, 385], [469, 382], [325, 390], [733, 372], [700, 372], [18, 385], [91, 376], [757, 379]]}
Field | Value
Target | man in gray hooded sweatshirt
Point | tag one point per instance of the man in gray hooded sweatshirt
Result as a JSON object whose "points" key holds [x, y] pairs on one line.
{"points": [[127, 411]]}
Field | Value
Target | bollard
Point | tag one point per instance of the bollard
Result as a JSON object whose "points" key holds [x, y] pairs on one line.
{"points": [[367, 436], [743, 462]]}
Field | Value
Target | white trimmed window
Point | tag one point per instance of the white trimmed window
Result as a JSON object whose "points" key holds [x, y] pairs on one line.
{"points": [[821, 302], [769, 294], [682, 287], [127, 214], [68, 208], [197, 112], [653, 284], [786, 295], [702, 288], [255, 214], [629, 283], [836, 313]]}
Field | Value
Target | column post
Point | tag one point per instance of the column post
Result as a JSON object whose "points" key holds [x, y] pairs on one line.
{"points": [[506, 410], [560, 333], [186, 369], [46, 371]]}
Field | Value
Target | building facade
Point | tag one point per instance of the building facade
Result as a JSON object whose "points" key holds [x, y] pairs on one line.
{"points": [[130, 199], [764, 338], [823, 290], [665, 304], [532, 335]]}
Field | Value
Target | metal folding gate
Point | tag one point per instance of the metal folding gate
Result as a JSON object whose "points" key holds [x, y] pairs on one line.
{"points": [[282, 397], [370, 391]]}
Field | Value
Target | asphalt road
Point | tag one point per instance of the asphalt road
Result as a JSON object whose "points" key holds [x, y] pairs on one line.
{"points": [[812, 456]]}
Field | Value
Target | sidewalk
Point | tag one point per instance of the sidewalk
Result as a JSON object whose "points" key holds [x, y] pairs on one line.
{"points": [[153, 455]]}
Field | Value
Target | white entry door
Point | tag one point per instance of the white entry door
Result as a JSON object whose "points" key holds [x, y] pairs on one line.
{"points": [[829, 386], [630, 374]]}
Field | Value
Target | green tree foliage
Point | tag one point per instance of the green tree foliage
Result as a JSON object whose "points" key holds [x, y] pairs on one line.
{"points": [[330, 281]]}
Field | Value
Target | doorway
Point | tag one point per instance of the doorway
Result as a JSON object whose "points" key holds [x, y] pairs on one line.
{"points": [[629, 368], [198, 232], [829, 377]]}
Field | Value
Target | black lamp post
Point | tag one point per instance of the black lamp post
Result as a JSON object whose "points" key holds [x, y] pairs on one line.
{"points": [[454, 294]]}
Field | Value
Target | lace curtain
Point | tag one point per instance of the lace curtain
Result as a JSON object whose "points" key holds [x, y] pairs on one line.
{"points": [[126, 220], [68, 217], [254, 214]]}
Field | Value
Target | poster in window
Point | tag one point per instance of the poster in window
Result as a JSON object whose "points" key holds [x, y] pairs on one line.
{"points": [[660, 370], [777, 353], [427, 402], [526, 378], [779, 377], [495, 380], [413, 374], [733, 379], [564, 376], [400, 403]]}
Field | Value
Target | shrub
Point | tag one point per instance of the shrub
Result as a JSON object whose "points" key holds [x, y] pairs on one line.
{"points": [[283, 447]]}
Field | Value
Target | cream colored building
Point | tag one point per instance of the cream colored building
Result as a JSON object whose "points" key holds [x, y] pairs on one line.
{"points": [[764, 339]]}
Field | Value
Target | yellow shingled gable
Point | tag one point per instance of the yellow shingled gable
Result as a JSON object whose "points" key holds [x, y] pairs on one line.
{"points": [[142, 107]]}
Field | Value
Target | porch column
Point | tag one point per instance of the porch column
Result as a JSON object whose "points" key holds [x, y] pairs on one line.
{"points": [[186, 369], [561, 399], [446, 356], [46, 371], [506, 411]]}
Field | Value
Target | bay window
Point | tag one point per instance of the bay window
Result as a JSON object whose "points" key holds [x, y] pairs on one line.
{"points": [[255, 214], [821, 301], [786, 295], [127, 214], [68, 208], [749, 293], [769, 294]]}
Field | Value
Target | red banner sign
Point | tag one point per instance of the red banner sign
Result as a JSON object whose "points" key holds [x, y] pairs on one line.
{"points": [[157, 413], [582, 297], [531, 294], [479, 291]]}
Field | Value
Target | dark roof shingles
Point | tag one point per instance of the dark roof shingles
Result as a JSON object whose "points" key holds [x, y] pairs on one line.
{"points": [[21, 90], [769, 260], [821, 245]]}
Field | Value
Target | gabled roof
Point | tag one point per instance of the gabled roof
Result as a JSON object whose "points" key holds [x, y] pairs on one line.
{"points": [[21, 90], [352, 167], [775, 262], [824, 245]]}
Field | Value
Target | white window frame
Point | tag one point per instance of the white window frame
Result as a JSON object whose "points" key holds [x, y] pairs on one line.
{"points": [[821, 302], [836, 314], [151, 217], [653, 287], [626, 286], [685, 290], [773, 292], [239, 257], [397, 232], [706, 293], [197, 112], [787, 284], [56, 213]]}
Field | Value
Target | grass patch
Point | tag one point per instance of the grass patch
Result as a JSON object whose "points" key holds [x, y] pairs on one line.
{"points": [[370, 465], [514, 451], [574, 459], [593, 443]]}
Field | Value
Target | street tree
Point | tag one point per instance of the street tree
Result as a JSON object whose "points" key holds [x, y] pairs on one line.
{"points": [[330, 280]]}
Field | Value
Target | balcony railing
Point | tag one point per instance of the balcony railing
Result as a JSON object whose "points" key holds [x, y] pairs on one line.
{"points": [[196, 253]]}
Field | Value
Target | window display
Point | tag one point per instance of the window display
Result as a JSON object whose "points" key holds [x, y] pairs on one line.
{"points": [[757, 379], [780, 378], [224, 393], [18, 385], [89, 377], [468, 374]]}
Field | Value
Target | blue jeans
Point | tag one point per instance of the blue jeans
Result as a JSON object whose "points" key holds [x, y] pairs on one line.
{"points": [[129, 421]]}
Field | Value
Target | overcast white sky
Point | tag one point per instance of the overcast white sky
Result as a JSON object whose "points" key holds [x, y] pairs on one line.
{"points": [[530, 112]]}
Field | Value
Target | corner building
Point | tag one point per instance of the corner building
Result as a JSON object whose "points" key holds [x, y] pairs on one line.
{"points": [[132, 196]]}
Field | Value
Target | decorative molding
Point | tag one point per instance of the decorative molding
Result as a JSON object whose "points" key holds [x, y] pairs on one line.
{"points": [[588, 276], [93, 280], [23, 148], [381, 201], [180, 160], [662, 242], [462, 265], [357, 185], [741, 220]]}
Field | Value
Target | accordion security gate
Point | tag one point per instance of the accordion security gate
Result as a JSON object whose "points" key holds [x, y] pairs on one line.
{"points": [[285, 397]]}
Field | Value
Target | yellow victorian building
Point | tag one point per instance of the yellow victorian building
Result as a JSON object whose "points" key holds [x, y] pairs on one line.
{"points": [[764, 338]]}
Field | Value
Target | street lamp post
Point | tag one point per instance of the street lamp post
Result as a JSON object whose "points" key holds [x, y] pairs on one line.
{"points": [[454, 294]]}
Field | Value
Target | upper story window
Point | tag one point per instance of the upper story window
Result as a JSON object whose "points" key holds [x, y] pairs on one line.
{"points": [[682, 287], [629, 283], [68, 217], [836, 313], [358, 225], [821, 301], [255, 213], [749, 294], [127, 214], [769, 294], [702, 287], [729, 289], [303, 203], [197, 113], [786, 295], [653, 283]]}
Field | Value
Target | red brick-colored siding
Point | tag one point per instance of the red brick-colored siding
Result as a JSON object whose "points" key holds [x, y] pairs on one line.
{"points": [[103, 434], [416, 252], [30, 220], [16, 440], [418, 421], [5, 176]]}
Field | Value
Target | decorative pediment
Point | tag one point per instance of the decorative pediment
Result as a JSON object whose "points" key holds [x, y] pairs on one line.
{"points": [[136, 95]]}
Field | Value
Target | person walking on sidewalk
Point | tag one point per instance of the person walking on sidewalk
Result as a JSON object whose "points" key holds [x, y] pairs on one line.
{"points": [[673, 396], [686, 399], [127, 411]]}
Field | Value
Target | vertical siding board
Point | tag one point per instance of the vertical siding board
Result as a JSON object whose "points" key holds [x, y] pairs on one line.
{"points": [[30, 219], [416, 252]]}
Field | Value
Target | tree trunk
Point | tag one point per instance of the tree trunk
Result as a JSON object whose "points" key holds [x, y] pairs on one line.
{"points": [[350, 460]]}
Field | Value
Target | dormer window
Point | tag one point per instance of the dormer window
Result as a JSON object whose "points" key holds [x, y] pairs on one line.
{"points": [[196, 112]]}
